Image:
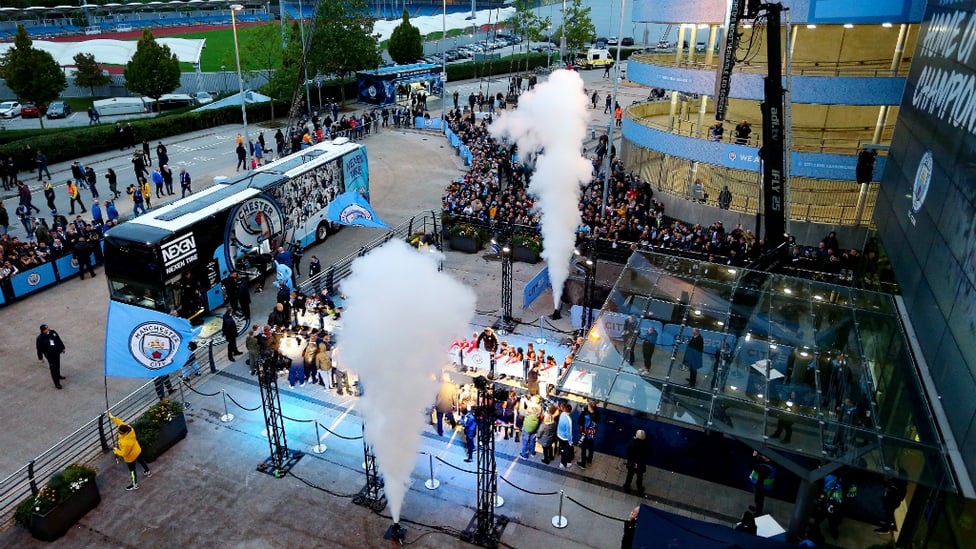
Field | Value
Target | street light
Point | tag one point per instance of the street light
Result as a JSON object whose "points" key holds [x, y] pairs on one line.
{"points": [[240, 81]]}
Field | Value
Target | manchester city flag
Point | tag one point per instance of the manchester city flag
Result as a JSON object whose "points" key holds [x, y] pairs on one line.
{"points": [[351, 208], [145, 343]]}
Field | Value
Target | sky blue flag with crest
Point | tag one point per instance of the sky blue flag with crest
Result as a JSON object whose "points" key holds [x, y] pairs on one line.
{"points": [[351, 208], [145, 343]]}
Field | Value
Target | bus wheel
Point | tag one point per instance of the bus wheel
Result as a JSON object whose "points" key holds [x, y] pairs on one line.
{"points": [[322, 231]]}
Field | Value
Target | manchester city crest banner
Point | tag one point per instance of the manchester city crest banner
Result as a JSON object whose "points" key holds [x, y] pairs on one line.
{"points": [[145, 343], [351, 208]]}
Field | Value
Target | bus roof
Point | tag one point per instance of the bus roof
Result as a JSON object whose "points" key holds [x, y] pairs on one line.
{"points": [[156, 225]]}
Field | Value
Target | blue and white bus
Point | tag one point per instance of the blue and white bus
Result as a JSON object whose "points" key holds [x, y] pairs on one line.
{"points": [[151, 260]]}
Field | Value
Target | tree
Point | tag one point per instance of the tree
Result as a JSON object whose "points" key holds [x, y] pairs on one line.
{"points": [[405, 45], [88, 73], [284, 81], [527, 26], [31, 73], [342, 41], [578, 27], [257, 47], [153, 70]]}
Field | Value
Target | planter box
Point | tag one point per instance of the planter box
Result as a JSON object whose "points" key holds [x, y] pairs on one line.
{"points": [[168, 435], [59, 520], [464, 244], [525, 255]]}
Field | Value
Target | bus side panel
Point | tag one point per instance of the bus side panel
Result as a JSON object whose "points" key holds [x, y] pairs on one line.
{"points": [[305, 199]]}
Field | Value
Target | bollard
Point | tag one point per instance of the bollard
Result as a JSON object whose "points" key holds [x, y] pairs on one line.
{"points": [[541, 339], [318, 448], [592, 132], [432, 483], [227, 417], [186, 405], [559, 521]]}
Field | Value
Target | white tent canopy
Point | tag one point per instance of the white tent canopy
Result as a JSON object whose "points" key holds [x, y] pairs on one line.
{"points": [[114, 52], [433, 23]]}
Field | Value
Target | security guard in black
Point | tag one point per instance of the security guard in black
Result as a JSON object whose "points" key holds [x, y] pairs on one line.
{"points": [[50, 346]]}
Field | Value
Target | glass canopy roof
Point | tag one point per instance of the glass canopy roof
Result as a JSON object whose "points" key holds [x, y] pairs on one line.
{"points": [[826, 368]]}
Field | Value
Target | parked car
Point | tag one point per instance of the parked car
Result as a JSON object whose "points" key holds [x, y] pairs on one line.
{"points": [[9, 109], [627, 41], [58, 109], [612, 41], [202, 98], [30, 110]]}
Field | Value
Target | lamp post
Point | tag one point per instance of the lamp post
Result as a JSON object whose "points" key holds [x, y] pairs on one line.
{"points": [[240, 80]]}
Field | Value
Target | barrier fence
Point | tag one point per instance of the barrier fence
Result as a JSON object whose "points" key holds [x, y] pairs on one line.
{"points": [[427, 223], [86, 445]]}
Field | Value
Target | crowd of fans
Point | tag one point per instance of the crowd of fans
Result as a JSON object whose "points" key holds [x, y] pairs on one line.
{"points": [[494, 191]]}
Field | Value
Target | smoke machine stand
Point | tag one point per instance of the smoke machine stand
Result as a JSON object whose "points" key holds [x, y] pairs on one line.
{"points": [[371, 495], [485, 528], [282, 459]]}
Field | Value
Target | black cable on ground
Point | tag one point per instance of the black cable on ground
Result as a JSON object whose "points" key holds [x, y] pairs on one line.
{"points": [[595, 512], [242, 407], [326, 490], [190, 387], [451, 465], [510, 483], [337, 435]]}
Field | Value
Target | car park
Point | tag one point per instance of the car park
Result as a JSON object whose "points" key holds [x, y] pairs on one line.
{"points": [[9, 109], [58, 109], [30, 110]]}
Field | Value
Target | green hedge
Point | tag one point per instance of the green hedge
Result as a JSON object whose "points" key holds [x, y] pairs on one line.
{"points": [[69, 144]]}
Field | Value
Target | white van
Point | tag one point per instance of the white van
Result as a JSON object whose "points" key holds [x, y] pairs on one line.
{"points": [[120, 105]]}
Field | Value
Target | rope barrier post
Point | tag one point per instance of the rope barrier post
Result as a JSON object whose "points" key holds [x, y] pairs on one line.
{"points": [[432, 483], [541, 340], [210, 357], [559, 521], [186, 405], [318, 448], [227, 417]]}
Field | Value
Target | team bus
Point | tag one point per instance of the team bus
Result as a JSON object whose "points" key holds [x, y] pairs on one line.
{"points": [[173, 258]]}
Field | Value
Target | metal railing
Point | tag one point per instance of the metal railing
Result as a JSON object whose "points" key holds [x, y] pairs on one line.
{"points": [[86, 445], [426, 222], [879, 68], [820, 140]]}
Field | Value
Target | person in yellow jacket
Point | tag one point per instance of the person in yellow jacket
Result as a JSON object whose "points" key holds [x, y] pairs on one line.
{"points": [[146, 191], [130, 451]]}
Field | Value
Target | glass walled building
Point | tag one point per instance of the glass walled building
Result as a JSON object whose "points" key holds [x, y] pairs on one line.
{"points": [[896, 76]]}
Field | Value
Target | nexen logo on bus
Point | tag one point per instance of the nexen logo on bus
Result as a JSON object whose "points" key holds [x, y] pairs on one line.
{"points": [[179, 253], [354, 165]]}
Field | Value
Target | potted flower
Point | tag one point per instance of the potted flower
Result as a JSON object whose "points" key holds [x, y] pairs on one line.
{"points": [[526, 247], [68, 495], [466, 237], [160, 428]]}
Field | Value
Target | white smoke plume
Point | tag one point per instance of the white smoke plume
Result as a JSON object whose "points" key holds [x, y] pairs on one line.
{"points": [[551, 119], [401, 316]]}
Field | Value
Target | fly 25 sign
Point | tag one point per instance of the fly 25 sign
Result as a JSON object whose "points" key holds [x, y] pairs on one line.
{"points": [[179, 253]]}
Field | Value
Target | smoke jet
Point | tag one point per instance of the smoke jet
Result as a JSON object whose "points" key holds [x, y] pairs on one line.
{"points": [[401, 315], [551, 120]]}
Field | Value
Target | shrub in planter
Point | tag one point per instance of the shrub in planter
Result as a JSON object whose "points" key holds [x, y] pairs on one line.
{"points": [[68, 495], [466, 237], [526, 247], [159, 428]]}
